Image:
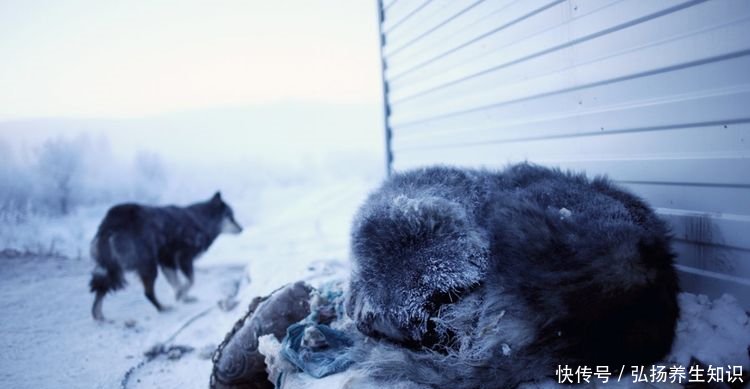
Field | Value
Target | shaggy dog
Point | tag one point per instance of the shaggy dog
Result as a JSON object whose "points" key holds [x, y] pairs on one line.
{"points": [[143, 238], [483, 279]]}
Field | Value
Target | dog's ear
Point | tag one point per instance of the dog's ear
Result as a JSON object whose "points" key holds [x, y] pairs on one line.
{"points": [[216, 198]]}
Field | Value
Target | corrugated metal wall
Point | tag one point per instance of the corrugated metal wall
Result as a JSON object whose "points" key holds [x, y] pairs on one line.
{"points": [[656, 94]]}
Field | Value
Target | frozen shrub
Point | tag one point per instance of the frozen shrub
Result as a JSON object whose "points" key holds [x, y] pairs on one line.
{"points": [[53, 193], [59, 167], [150, 176], [15, 187]]}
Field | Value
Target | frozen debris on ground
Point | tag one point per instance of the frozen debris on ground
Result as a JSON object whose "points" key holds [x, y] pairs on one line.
{"points": [[172, 351], [276, 365], [715, 332], [286, 376], [237, 359], [317, 349]]}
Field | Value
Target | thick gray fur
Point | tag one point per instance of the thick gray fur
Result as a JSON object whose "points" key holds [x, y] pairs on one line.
{"points": [[143, 238], [488, 279]]}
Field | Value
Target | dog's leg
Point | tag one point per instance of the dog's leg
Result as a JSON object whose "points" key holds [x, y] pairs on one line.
{"points": [[149, 279], [173, 279], [96, 309], [186, 265]]}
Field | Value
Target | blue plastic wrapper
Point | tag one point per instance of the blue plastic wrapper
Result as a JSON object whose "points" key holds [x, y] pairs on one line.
{"points": [[316, 349]]}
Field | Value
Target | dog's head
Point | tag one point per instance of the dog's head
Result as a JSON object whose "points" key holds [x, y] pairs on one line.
{"points": [[227, 222], [410, 257]]}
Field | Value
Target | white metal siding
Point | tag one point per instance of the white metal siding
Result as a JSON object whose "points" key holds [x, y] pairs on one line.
{"points": [[655, 94]]}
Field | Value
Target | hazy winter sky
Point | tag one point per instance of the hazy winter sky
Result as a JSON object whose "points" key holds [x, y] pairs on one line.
{"points": [[132, 59]]}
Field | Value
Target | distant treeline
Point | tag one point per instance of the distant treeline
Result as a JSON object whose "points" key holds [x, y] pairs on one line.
{"points": [[63, 173]]}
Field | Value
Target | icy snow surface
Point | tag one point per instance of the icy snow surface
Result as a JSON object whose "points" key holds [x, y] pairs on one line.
{"points": [[50, 341]]}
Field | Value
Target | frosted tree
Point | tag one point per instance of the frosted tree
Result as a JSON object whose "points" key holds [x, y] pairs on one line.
{"points": [[14, 185], [60, 163], [150, 175]]}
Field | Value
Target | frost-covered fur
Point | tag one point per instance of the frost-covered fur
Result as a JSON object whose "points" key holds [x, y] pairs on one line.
{"points": [[491, 279]]}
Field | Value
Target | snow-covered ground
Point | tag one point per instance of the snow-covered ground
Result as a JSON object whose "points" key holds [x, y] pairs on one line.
{"points": [[292, 232], [50, 341], [48, 336]]}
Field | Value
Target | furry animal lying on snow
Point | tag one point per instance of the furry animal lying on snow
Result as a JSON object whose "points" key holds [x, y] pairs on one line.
{"points": [[142, 238], [491, 279]]}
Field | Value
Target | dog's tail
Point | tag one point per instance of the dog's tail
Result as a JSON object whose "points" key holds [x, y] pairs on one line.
{"points": [[107, 275]]}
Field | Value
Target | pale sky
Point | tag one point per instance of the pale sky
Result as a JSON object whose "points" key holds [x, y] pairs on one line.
{"points": [[75, 58]]}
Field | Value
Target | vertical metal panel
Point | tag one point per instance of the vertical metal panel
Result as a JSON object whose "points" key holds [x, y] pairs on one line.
{"points": [[655, 94], [382, 7]]}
